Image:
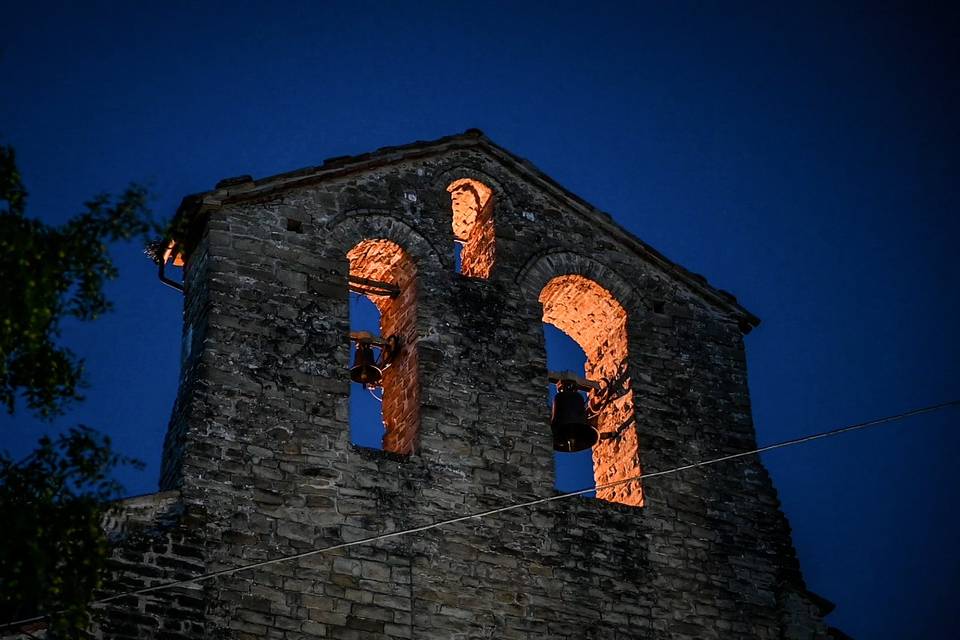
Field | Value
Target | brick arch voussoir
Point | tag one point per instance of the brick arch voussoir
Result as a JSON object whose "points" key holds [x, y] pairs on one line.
{"points": [[350, 228], [503, 202], [547, 265]]}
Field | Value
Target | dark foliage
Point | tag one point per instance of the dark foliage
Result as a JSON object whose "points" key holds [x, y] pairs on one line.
{"points": [[52, 547], [48, 274]]}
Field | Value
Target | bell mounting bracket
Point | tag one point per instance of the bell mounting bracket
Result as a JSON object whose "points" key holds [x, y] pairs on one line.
{"points": [[581, 383], [371, 287], [389, 346]]}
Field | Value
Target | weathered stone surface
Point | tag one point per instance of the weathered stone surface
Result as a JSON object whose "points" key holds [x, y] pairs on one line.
{"points": [[259, 450]]}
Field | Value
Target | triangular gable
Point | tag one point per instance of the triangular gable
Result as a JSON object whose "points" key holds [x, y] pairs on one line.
{"points": [[245, 188]]}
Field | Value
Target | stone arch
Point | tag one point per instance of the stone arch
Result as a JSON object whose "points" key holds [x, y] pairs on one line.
{"points": [[592, 304], [459, 172], [349, 228], [546, 265]]}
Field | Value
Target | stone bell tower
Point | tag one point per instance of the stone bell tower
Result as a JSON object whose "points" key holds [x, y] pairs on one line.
{"points": [[466, 250]]}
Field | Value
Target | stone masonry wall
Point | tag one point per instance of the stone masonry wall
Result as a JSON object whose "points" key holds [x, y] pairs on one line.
{"points": [[261, 454]]}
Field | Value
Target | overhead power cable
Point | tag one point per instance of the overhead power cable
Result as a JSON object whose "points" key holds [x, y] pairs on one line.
{"points": [[511, 507]]}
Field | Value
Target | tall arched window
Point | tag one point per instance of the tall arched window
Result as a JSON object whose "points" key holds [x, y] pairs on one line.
{"points": [[473, 232], [592, 317], [383, 261]]}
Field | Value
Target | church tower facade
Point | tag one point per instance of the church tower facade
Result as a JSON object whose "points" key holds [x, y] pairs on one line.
{"points": [[466, 251]]}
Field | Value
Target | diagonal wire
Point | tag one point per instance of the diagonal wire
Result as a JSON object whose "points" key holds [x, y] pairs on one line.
{"points": [[511, 507]]}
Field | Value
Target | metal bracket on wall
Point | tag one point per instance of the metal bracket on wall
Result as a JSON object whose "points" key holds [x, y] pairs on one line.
{"points": [[177, 262], [602, 393]]}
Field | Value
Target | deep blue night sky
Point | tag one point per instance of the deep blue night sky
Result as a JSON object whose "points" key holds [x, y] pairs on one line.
{"points": [[803, 157]]}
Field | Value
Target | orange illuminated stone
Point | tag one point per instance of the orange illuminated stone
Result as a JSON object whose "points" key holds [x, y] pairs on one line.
{"points": [[472, 204]]}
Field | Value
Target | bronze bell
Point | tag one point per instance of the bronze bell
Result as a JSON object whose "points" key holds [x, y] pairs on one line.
{"points": [[571, 429], [365, 369]]}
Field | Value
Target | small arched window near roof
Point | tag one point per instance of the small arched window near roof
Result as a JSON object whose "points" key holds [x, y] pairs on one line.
{"points": [[473, 233]]}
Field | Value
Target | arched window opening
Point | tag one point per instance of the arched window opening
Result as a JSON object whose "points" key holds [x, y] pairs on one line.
{"points": [[396, 420], [473, 232], [592, 317]]}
